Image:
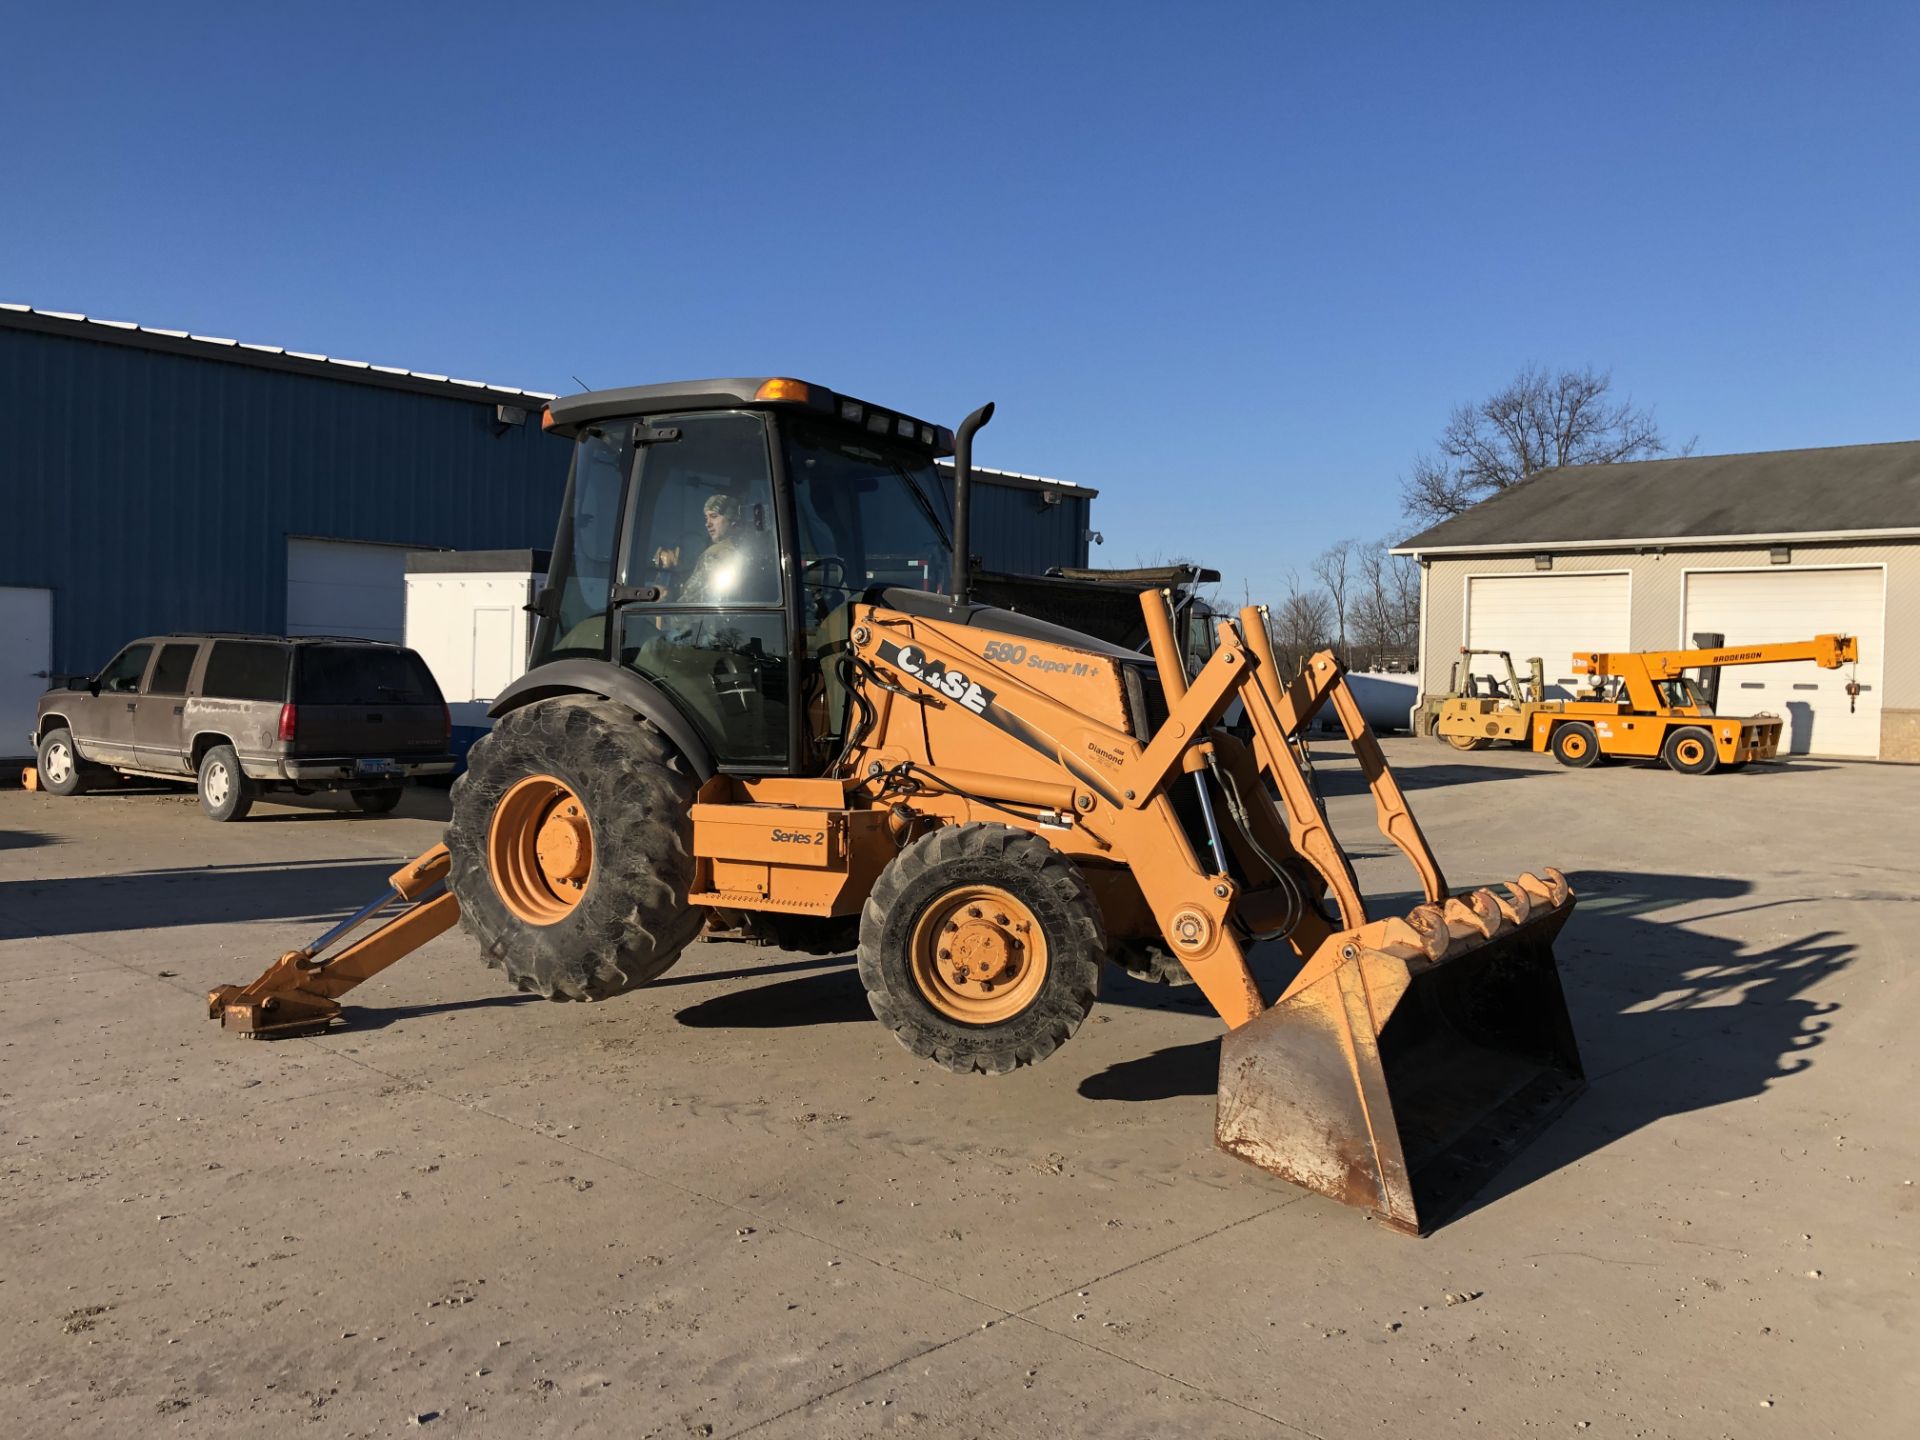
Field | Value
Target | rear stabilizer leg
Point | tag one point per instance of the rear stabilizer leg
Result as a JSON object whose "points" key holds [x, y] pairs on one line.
{"points": [[299, 994]]}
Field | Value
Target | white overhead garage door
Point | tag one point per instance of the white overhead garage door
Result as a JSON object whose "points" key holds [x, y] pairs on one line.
{"points": [[1549, 615], [346, 587], [1765, 606]]}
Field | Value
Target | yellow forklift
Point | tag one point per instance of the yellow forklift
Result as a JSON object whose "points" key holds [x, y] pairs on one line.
{"points": [[1479, 709]]}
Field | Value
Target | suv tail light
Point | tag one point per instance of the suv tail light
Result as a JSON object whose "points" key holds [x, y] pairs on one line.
{"points": [[289, 721], [446, 723]]}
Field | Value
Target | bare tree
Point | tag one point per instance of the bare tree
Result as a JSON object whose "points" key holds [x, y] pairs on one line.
{"points": [[1333, 567], [1539, 420], [1386, 607], [1301, 623]]}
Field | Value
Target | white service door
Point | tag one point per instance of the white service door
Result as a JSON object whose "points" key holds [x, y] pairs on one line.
{"points": [[1759, 607], [471, 629], [26, 654], [346, 587], [1549, 615]]}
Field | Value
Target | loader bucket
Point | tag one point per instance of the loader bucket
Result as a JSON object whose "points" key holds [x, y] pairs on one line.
{"points": [[1410, 1059]]}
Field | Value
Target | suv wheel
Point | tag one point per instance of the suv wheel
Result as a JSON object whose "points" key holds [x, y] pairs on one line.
{"points": [[61, 771], [378, 801], [225, 791]]}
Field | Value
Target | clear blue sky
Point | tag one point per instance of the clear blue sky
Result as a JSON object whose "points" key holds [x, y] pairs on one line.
{"points": [[1232, 264]]}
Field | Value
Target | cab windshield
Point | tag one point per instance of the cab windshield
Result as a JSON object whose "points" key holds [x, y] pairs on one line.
{"points": [[869, 513], [1683, 691]]}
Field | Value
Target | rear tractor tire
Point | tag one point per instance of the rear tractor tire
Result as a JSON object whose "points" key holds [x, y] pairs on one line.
{"points": [[1576, 744], [571, 849], [1690, 751], [980, 948]]}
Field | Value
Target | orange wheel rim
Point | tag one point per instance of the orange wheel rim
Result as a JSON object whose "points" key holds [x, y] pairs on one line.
{"points": [[1691, 752], [978, 955], [1575, 744], [540, 849]]}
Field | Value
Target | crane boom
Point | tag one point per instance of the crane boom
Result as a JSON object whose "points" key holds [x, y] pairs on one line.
{"points": [[1829, 652]]}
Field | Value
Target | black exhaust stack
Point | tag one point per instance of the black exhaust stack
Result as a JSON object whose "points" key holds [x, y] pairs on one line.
{"points": [[962, 501]]}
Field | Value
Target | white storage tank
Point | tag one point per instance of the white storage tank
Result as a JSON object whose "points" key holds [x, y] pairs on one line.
{"points": [[467, 618], [1386, 698]]}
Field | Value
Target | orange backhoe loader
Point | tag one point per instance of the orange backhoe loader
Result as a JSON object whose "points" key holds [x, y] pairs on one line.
{"points": [[783, 726], [1645, 707]]}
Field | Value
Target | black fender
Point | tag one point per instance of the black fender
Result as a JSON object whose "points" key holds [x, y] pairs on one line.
{"points": [[623, 687]]}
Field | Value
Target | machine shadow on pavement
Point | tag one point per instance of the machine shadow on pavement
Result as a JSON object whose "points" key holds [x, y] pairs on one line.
{"points": [[829, 997], [362, 1020], [1669, 1020], [1342, 776], [313, 892]]}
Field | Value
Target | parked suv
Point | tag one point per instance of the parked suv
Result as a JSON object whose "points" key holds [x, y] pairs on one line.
{"points": [[250, 713]]}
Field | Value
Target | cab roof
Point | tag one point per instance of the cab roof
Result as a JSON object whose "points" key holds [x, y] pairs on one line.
{"points": [[766, 392]]}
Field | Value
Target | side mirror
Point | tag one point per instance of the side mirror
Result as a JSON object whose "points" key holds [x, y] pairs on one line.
{"points": [[93, 685]]}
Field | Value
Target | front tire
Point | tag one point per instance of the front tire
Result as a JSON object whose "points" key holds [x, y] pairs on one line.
{"points": [[1467, 742], [571, 849], [58, 762], [225, 791], [980, 948], [1690, 751]]}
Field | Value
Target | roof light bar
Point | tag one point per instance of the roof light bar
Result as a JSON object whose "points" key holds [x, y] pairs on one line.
{"points": [[783, 390]]}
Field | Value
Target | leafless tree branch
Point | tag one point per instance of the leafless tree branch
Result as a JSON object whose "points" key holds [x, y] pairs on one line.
{"points": [[1539, 420]]}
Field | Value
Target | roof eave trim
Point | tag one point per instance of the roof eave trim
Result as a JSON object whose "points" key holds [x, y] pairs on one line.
{"points": [[1691, 542]]}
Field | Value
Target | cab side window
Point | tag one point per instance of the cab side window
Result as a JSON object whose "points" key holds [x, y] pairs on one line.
{"points": [[122, 676], [170, 671]]}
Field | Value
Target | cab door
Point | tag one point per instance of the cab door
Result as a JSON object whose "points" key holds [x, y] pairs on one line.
{"points": [[103, 724]]}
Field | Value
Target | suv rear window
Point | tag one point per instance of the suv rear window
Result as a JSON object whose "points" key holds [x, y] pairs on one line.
{"points": [[363, 675], [245, 670]]}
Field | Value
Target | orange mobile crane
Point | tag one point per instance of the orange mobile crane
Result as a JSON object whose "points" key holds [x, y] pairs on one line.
{"points": [[1643, 707]]}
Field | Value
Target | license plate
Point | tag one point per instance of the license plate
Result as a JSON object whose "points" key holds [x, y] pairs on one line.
{"points": [[374, 767]]}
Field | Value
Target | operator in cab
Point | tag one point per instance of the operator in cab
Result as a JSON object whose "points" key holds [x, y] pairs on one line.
{"points": [[731, 565]]}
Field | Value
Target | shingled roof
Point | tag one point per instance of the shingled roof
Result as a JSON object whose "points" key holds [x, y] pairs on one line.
{"points": [[1841, 492]]}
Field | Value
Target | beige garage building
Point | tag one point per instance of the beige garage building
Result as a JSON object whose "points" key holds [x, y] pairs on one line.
{"points": [[1780, 545]]}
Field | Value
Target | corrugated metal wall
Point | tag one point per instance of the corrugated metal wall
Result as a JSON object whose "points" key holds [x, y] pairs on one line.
{"points": [[1016, 531], [154, 491]]}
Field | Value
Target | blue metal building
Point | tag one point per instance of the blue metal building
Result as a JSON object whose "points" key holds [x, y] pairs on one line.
{"points": [[1027, 524], [155, 480]]}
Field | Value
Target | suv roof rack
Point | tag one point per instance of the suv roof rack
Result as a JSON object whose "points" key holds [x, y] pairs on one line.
{"points": [[280, 639]]}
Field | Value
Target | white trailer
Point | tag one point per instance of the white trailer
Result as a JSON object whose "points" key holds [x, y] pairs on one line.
{"points": [[467, 617]]}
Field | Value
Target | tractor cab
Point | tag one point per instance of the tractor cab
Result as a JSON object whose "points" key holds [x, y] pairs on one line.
{"points": [[712, 535]]}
